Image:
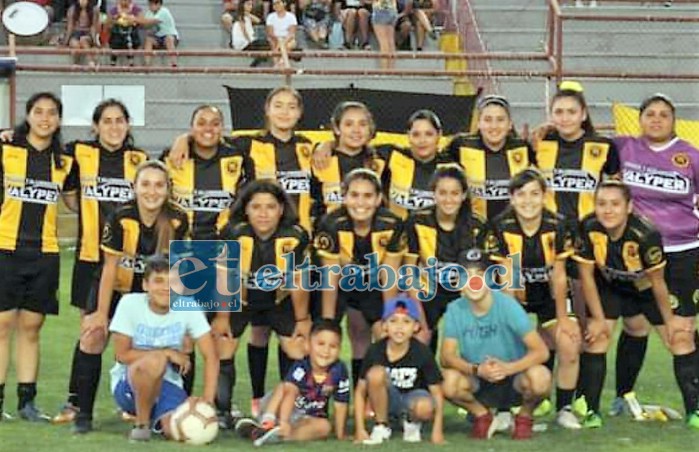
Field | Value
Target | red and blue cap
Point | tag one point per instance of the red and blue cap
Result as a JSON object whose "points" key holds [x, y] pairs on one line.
{"points": [[402, 304]]}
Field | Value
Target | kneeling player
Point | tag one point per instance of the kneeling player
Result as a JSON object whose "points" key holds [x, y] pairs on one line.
{"points": [[400, 378], [492, 355], [297, 410], [621, 262], [148, 343], [543, 244]]}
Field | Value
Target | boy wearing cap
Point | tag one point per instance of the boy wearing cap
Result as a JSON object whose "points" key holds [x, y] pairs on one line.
{"points": [[400, 378], [491, 354]]}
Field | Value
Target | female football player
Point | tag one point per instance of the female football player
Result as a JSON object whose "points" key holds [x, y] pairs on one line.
{"points": [[363, 235]]}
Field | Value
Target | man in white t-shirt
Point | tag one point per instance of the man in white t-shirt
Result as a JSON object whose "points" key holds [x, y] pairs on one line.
{"points": [[148, 343], [281, 32]]}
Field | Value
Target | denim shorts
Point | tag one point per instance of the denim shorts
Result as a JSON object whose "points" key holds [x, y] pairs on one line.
{"points": [[384, 16], [399, 402]]}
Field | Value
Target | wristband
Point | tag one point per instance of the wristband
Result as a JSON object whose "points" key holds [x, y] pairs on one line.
{"points": [[474, 369]]}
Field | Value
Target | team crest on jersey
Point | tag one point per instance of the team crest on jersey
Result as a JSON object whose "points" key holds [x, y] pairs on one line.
{"points": [[107, 233], [232, 167], [680, 160], [630, 253], [595, 152], [695, 297], [674, 302], [323, 241], [305, 150], [518, 157], [327, 390], [654, 255], [135, 159]]}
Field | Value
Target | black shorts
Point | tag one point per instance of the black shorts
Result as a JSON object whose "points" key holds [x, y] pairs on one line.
{"points": [[91, 305], [84, 276], [29, 282], [682, 276], [280, 318], [435, 308], [619, 304], [502, 395], [370, 304]]}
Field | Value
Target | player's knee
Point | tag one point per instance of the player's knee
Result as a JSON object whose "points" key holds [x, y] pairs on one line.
{"points": [[93, 342], [324, 428], [567, 351], [537, 380], [294, 349], [422, 409], [682, 343], [376, 376], [151, 365]]}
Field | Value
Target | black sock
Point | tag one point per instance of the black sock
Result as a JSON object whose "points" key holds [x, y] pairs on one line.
{"points": [[593, 370], [434, 342], [88, 379], [257, 365], [284, 363], [630, 353], [356, 368], [224, 389], [551, 362], [564, 397], [73, 382], [687, 379], [188, 378], [26, 393], [2, 398]]}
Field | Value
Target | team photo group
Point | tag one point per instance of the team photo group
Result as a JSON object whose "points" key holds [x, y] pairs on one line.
{"points": [[563, 234]]}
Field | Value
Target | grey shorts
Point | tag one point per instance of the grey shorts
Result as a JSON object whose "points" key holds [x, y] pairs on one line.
{"points": [[384, 16]]}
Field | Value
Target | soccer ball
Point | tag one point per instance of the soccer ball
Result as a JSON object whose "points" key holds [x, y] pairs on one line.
{"points": [[194, 422]]}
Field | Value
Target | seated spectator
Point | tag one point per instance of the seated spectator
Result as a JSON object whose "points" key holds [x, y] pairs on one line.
{"points": [[423, 10], [123, 22], [228, 15], [316, 20], [82, 25], [162, 32], [243, 29], [281, 32], [404, 24], [355, 15]]}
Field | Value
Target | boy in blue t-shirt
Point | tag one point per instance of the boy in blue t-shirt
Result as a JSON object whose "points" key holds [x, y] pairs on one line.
{"points": [[148, 342], [492, 354], [297, 410]]}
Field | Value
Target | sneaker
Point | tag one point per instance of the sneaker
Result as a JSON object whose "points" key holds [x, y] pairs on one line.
{"points": [[635, 407], [580, 406], [462, 412], [432, 34], [481, 426], [32, 414], [270, 436], [502, 422], [566, 419], [66, 415], [139, 433], [693, 420], [225, 421], [5, 416], [618, 407], [127, 417], [544, 408], [592, 420], [412, 431], [523, 427], [245, 426], [255, 408], [379, 434], [83, 425]]}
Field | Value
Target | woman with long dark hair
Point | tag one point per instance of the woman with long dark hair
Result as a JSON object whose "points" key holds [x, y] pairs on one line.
{"points": [[34, 171]]}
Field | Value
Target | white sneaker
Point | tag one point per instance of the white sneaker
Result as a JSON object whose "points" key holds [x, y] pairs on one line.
{"points": [[635, 408], [379, 434], [566, 419], [412, 432]]}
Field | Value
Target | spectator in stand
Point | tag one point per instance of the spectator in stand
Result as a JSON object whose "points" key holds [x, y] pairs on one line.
{"points": [[123, 21], [316, 20], [228, 15], [243, 31], [579, 4], [281, 32], [404, 24], [82, 25], [423, 10], [355, 14], [383, 18], [162, 32]]}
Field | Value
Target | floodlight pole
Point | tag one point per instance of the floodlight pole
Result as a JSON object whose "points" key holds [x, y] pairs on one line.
{"points": [[12, 79]]}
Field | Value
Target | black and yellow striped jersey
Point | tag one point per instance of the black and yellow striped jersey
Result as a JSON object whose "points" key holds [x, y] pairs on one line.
{"points": [[206, 188], [105, 181], [427, 239], [537, 253], [126, 236], [288, 163], [622, 262], [326, 184], [336, 238], [406, 180], [256, 252], [488, 172], [31, 188], [573, 169]]}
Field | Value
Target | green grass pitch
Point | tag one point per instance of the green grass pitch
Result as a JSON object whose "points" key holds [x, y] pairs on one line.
{"points": [[656, 385]]}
